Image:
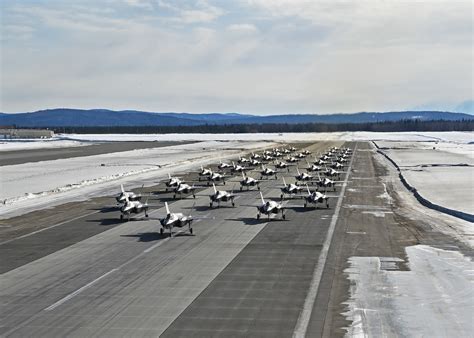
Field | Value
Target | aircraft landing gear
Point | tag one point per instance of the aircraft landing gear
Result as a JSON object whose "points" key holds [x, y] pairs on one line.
{"points": [[161, 231], [258, 216], [121, 217]]}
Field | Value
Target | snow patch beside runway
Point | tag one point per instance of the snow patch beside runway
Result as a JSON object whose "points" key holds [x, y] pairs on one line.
{"points": [[30, 186], [16, 144], [434, 299]]}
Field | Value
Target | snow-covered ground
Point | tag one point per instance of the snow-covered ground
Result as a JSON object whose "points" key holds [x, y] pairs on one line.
{"points": [[31, 186], [457, 137], [448, 139], [434, 299], [17, 144], [443, 173]]}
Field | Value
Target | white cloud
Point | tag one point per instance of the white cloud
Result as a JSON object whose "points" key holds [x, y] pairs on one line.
{"points": [[201, 12], [144, 4], [269, 57], [243, 28]]}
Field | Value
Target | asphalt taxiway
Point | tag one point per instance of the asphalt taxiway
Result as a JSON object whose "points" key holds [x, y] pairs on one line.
{"points": [[48, 154], [91, 275]]}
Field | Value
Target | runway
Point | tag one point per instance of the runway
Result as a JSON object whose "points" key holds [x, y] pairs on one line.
{"points": [[91, 275], [50, 154]]}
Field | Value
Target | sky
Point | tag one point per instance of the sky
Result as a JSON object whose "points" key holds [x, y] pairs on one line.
{"points": [[247, 56]]}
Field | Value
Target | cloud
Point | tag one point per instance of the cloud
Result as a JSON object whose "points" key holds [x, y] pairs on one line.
{"points": [[201, 12], [143, 4], [253, 56]]}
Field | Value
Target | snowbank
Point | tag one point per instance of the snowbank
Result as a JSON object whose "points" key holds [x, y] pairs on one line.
{"points": [[440, 178]]}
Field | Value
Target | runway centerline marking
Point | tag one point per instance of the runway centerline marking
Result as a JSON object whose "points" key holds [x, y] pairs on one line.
{"points": [[305, 315], [78, 291]]}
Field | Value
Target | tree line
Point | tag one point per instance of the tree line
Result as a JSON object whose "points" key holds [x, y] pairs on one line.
{"points": [[387, 126]]}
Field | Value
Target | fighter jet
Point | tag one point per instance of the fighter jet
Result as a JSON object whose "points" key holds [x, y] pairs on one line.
{"points": [[130, 195], [221, 196], [326, 183], [289, 189], [292, 159], [184, 188], [133, 207], [248, 181], [282, 165], [267, 158], [256, 156], [205, 173], [173, 182], [270, 207], [255, 162], [286, 151], [300, 155], [320, 162], [313, 167], [332, 173], [306, 152], [303, 176], [216, 177], [243, 160], [292, 149], [173, 220], [267, 172], [337, 165], [276, 153], [315, 197], [238, 168], [342, 159], [325, 158], [223, 165]]}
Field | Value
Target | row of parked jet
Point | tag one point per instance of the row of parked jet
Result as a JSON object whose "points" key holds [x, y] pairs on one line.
{"points": [[130, 202]]}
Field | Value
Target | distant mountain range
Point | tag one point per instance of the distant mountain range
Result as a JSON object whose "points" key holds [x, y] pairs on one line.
{"points": [[102, 117]]}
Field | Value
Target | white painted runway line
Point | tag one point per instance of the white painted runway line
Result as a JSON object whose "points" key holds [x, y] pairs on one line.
{"points": [[50, 227], [78, 291], [305, 315]]}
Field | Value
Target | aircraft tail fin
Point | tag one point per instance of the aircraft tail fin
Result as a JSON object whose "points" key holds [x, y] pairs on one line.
{"points": [[167, 208], [214, 186], [261, 196], [169, 175], [307, 188], [284, 182], [121, 188]]}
